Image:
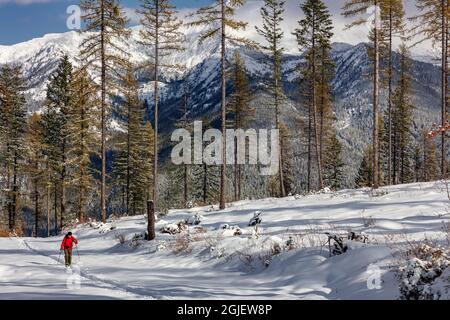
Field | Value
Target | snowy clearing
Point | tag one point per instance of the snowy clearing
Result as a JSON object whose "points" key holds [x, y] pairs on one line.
{"points": [[219, 256]]}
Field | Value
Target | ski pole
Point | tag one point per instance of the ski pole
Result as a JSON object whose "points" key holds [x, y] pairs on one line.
{"points": [[78, 254]]}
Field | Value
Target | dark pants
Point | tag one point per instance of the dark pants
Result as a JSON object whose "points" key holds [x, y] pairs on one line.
{"points": [[68, 257]]}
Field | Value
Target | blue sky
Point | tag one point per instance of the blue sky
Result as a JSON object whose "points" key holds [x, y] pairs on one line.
{"points": [[22, 20]]}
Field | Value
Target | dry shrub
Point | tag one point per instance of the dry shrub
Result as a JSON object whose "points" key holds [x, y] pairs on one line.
{"points": [[121, 238], [17, 232], [4, 233], [180, 244], [200, 230]]}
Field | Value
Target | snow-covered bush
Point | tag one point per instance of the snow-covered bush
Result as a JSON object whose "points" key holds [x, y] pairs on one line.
{"points": [[256, 219], [137, 240], [102, 227], [121, 238], [195, 219], [162, 245], [230, 231], [425, 274], [174, 228], [339, 244]]}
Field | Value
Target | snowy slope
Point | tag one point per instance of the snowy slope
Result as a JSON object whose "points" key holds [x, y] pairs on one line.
{"points": [[214, 264]]}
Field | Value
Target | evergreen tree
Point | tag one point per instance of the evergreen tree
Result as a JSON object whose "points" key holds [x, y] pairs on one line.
{"points": [[287, 162], [430, 167], [12, 137], [271, 29], [314, 31], [58, 104], [432, 23], [402, 121], [333, 164], [239, 107], [130, 167], [104, 26], [353, 8], [365, 173], [161, 35], [219, 20]]}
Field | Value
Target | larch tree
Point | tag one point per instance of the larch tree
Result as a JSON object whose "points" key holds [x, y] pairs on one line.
{"points": [[81, 131], [12, 136], [101, 53], [272, 31], [35, 166], [432, 23], [220, 22], [314, 32], [353, 8], [162, 37], [392, 25]]}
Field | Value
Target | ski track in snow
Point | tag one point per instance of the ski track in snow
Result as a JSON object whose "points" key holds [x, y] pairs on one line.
{"points": [[90, 286], [133, 293]]}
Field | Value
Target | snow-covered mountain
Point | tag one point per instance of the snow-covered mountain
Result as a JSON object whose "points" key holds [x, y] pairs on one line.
{"points": [[352, 86]]}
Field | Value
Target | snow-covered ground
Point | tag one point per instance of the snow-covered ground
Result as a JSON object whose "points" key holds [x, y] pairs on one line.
{"points": [[209, 262]]}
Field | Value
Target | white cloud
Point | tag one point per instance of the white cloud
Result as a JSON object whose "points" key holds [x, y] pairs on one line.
{"points": [[24, 2], [250, 13], [131, 14]]}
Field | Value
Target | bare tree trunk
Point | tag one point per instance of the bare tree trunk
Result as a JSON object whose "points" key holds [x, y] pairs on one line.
{"points": [[14, 191], [314, 103], [276, 69], [185, 193], [376, 76], [322, 111], [81, 202], [223, 110], [36, 207], [390, 99], [103, 116], [308, 185], [205, 173], [63, 187], [48, 200], [55, 204], [10, 214], [127, 187], [236, 182], [150, 221], [444, 86]]}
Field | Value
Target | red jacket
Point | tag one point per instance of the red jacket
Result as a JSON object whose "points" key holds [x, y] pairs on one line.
{"points": [[68, 242]]}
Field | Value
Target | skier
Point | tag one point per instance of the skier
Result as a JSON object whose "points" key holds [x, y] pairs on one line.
{"points": [[67, 245]]}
